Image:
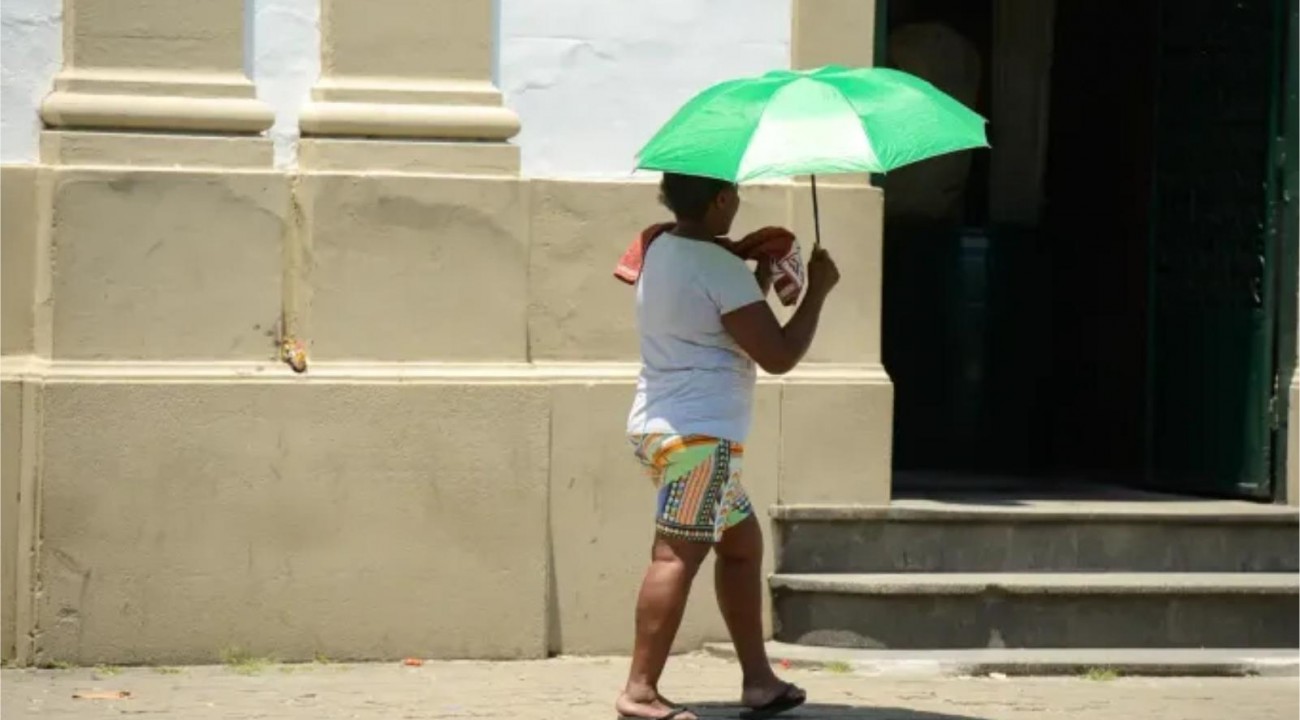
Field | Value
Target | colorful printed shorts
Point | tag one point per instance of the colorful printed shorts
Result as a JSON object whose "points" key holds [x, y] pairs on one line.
{"points": [[698, 477]]}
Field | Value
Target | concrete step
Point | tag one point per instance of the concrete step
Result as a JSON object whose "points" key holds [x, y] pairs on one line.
{"points": [[1039, 536], [1076, 662], [1038, 610]]}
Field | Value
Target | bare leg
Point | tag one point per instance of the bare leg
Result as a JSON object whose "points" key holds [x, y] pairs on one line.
{"points": [[738, 576], [659, 610]]}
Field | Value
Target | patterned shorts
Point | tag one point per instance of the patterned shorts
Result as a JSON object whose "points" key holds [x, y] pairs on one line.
{"points": [[698, 477]]}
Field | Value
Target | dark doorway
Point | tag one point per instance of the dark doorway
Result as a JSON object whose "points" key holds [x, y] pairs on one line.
{"points": [[1097, 228], [1104, 297]]}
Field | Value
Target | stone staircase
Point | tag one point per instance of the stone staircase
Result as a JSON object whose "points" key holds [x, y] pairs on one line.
{"points": [[1062, 574]]}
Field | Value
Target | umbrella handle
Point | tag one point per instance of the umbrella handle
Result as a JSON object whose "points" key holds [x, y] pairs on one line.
{"points": [[817, 222]]}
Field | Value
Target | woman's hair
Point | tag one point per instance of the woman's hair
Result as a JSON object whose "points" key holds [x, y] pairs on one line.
{"points": [[689, 196]]}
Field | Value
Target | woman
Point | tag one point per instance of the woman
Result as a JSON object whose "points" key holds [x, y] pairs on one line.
{"points": [[704, 323]]}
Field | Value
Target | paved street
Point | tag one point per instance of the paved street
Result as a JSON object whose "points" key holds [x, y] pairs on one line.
{"points": [[584, 688]]}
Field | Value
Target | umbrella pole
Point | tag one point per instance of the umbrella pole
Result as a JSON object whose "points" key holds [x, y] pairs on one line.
{"points": [[817, 222]]}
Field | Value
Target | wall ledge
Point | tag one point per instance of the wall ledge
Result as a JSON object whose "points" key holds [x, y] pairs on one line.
{"points": [[30, 368]]}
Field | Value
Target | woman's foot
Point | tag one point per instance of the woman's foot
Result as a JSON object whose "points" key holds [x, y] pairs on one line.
{"points": [[770, 697], [650, 705]]}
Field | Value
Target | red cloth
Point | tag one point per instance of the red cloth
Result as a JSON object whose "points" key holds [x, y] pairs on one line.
{"points": [[775, 245], [629, 266]]}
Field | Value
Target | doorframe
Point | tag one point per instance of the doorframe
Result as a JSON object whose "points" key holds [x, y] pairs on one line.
{"points": [[1287, 272]]}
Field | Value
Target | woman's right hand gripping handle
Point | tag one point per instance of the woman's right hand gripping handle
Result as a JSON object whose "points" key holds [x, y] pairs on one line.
{"points": [[823, 275], [779, 349]]}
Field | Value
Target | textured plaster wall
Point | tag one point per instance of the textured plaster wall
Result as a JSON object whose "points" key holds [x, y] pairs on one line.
{"points": [[361, 522], [11, 432], [18, 253], [590, 81]]}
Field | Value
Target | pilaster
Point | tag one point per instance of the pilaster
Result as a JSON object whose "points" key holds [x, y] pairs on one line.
{"points": [[837, 412], [154, 65], [416, 72]]}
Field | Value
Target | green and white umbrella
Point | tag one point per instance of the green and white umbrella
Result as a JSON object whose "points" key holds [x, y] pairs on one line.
{"points": [[823, 121]]}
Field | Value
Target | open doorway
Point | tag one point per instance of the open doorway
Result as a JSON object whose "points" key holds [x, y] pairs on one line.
{"points": [[1087, 304]]}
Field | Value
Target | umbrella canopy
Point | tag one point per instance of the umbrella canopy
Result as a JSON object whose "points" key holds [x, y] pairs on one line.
{"points": [[828, 120]]}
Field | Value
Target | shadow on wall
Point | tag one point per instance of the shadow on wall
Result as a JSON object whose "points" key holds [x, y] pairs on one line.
{"points": [[820, 711]]}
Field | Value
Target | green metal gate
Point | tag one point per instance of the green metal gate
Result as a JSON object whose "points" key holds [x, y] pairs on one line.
{"points": [[1221, 284]]}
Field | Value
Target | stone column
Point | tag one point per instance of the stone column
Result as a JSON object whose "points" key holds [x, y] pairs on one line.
{"points": [[837, 408], [1293, 445], [151, 65], [832, 32], [392, 69]]}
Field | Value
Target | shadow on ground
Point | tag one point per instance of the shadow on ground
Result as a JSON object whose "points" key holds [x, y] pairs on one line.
{"points": [[818, 711]]}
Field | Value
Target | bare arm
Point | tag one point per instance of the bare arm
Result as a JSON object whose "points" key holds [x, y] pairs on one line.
{"points": [[778, 349]]}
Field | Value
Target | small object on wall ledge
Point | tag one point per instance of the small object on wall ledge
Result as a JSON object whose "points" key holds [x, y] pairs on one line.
{"points": [[103, 695], [294, 353]]}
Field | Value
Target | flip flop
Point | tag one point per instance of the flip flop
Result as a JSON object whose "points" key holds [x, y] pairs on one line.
{"points": [[783, 702], [672, 714]]}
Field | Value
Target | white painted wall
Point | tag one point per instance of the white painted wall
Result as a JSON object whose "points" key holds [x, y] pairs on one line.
{"points": [[31, 51], [284, 61], [591, 81]]}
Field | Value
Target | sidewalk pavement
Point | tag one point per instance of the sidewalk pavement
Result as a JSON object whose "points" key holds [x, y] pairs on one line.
{"points": [[584, 688]]}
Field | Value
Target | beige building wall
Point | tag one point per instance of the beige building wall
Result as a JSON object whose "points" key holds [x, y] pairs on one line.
{"points": [[1293, 430], [11, 428], [449, 477], [21, 230], [1293, 446]]}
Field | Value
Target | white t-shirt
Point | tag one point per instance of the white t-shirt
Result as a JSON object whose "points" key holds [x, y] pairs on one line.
{"points": [[694, 379]]}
